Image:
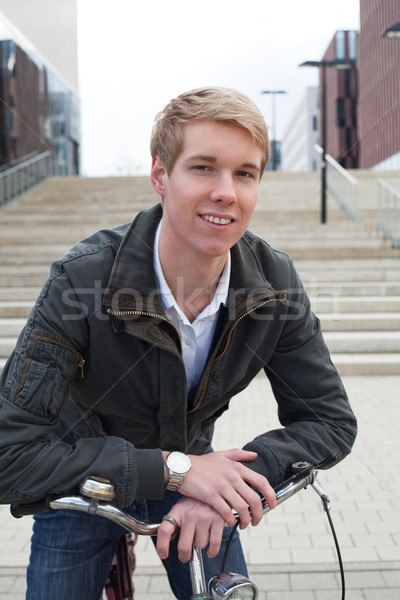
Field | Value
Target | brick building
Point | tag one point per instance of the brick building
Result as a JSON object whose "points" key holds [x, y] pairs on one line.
{"points": [[341, 100], [378, 62]]}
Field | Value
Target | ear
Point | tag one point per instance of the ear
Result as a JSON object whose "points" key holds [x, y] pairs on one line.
{"points": [[158, 175]]}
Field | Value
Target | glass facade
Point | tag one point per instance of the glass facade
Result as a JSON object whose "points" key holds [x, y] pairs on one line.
{"points": [[340, 48], [38, 110]]}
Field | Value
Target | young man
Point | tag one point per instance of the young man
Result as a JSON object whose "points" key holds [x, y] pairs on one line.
{"points": [[194, 306]]}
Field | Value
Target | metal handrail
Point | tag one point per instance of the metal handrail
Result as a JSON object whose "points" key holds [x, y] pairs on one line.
{"points": [[342, 186], [388, 212], [18, 179]]}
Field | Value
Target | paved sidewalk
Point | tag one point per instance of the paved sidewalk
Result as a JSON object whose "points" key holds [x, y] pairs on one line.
{"points": [[291, 554]]}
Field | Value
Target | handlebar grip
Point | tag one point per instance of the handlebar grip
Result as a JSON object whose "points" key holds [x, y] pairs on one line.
{"points": [[30, 508]]}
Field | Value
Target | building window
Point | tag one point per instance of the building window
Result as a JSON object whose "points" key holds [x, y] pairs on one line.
{"points": [[340, 112], [340, 51], [347, 83], [352, 37], [314, 123]]}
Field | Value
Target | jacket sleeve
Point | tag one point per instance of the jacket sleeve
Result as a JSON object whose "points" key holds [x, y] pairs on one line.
{"points": [[33, 388], [318, 423]]}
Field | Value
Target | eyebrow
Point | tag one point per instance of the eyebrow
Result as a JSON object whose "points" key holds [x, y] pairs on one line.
{"points": [[212, 159]]}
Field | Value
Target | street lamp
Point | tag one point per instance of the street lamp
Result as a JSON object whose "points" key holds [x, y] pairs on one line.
{"points": [[273, 141], [323, 64], [392, 32]]}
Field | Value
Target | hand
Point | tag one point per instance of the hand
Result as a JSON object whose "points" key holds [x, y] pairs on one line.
{"points": [[220, 480], [199, 524]]}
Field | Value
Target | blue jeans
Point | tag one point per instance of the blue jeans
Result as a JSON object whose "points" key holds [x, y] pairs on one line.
{"points": [[71, 553]]}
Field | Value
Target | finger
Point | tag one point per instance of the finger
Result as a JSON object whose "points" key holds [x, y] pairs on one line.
{"points": [[224, 508], [253, 503], [237, 454], [215, 539], [186, 539], [166, 532], [261, 484], [202, 536], [241, 507]]}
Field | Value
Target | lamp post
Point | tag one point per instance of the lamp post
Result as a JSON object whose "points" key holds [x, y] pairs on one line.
{"points": [[392, 32], [323, 64], [273, 141]]}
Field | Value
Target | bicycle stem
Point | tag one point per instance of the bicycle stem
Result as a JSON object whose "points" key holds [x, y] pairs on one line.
{"points": [[197, 576]]}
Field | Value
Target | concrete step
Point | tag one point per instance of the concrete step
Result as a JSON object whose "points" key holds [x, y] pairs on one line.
{"points": [[360, 322], [360, 289], [7, 345], [363, 342], [338, 304], [22, 270], [356, 275], [352, 264], [15, 309], [24, 279], [367, 364], [11, 327], [11, 294]]}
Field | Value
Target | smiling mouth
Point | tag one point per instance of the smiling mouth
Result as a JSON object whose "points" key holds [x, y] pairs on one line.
{"points": [[216, 220]]}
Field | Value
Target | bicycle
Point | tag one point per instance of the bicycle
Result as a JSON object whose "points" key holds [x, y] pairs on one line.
{"points": [[96, 495]]}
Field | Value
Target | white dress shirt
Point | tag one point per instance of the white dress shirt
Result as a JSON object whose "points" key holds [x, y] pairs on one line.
{"points": [[197, 336]]}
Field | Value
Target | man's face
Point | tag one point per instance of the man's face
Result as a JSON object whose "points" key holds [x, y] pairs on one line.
{"points": [[210, 195]]}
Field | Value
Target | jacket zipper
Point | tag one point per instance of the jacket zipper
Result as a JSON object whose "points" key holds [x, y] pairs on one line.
{"points": [[80, 366], [205, 383], [122, 313]]}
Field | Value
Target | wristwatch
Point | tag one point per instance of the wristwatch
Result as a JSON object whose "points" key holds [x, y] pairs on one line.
{"points": [[178, 465]]}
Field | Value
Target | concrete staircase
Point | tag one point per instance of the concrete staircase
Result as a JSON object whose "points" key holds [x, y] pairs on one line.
{"points": [[350, 273]]}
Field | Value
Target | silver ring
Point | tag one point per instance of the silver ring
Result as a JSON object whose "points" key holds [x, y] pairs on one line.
{"points": [[171, 520]]}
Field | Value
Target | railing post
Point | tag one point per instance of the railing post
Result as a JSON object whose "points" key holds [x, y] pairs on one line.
{"points": [[395, 236], [1, 190], [342, 186], [386, 229], [380, 209]]}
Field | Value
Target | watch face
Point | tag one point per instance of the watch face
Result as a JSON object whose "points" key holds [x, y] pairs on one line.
{"points": [[178, 462]]}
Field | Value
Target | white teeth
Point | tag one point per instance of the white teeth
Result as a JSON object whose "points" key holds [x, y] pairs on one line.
{"points": [[217, 220]]}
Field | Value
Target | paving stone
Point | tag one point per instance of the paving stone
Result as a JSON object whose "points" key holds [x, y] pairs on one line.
{"points": [[313, 581], [368, 579], [290, 595], [386, 594], [271, 581]]}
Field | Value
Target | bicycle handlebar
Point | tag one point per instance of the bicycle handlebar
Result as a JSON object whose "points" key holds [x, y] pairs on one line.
{"points": [[304, 475]]}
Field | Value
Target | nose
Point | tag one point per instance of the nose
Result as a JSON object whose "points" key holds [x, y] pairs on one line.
{"points": [[224, 189]]}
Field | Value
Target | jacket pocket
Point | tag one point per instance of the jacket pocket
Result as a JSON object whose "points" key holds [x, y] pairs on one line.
{"points": [[49, 367]]}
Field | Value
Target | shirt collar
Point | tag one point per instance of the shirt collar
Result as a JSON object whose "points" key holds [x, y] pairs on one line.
{"points": [[167, 298]]}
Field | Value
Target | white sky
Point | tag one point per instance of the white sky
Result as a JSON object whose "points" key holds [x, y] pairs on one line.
{"points": [[135, 56]]}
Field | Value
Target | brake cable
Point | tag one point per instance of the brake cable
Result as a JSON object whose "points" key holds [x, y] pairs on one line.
{"points": [[325, 503]]}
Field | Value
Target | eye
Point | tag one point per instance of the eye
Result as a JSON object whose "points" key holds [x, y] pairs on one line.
{"points": [[245, 174], [201, 168]]}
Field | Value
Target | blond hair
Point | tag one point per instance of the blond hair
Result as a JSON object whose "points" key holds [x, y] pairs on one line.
{"points": [[219, 104]]}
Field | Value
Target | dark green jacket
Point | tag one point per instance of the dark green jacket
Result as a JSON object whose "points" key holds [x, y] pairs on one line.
{"points": [[97, 385]]}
